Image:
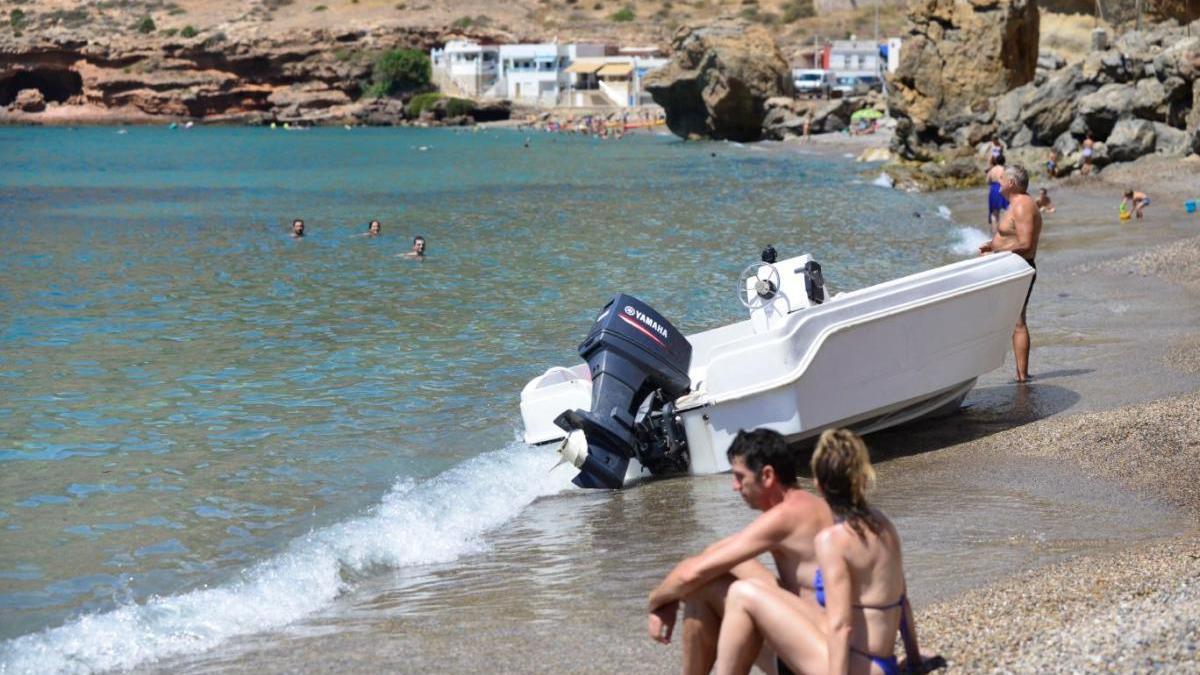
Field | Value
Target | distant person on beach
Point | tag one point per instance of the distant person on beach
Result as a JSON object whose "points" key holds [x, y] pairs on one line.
{"points": [[1052, 164], [860, 582], [1088, 151], [764, 472], [418, 249], [996, 201], [297, 229], [808, 126], [1043, 201], [1134, 202], [996, 152], [1018, 232]]}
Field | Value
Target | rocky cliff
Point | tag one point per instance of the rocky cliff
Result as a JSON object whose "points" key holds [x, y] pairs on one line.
{"points": [[719, 80], [312, 76], [957, 56]]}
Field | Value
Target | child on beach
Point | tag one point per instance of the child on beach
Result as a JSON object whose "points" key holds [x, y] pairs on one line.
{"points": [[1132, 204], [1043, 201]]}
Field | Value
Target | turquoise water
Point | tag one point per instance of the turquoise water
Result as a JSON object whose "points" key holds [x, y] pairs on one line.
{"points": [[192, 402]]}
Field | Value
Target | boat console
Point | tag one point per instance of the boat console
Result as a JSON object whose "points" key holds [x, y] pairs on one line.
{"points": [[773, 289]]}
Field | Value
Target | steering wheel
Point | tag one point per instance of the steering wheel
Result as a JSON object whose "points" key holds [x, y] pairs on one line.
{"points": [[766, 286]]}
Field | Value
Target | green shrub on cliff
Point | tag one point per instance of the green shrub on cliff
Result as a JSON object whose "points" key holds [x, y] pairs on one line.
{"points": [[420, 102], [459, 106], [623, 14], [798, 9], [454, 106], [16, 19], [146, 25], [398, 71], [188, 31]]}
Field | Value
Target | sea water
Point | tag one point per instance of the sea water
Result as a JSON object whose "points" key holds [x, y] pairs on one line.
{"points": [[209, 429]]}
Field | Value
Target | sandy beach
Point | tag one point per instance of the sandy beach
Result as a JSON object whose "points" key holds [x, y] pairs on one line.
{"points": [[1091, 562], [1137, 610]]}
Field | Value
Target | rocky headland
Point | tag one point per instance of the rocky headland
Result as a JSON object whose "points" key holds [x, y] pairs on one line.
{"points": [[974, 73]]}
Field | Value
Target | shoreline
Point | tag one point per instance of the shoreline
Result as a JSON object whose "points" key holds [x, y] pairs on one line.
{"points": [[1132, 604]]}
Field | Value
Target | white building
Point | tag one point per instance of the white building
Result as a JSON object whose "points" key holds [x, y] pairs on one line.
{"points": [[611, 80], [538, 73], [893, 54], [466, 68], [855, 57], [547, 74], [864, 57]]}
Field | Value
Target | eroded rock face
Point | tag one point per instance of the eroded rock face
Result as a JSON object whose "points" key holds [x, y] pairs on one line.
{"points": [[302, 77], [719, 80], [957, 56], [30, 100]]}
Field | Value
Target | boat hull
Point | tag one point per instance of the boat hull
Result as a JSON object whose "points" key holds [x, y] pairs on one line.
{"points": [[869, 359]]}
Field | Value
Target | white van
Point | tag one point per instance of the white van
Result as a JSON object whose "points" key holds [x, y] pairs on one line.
{"points": [[812, 82]]}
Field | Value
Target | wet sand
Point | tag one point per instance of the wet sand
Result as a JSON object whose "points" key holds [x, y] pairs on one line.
{"points": [[1050, 526]]}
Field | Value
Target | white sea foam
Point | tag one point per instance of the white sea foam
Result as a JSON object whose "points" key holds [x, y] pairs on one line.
{"points": [[968, 240], [436, 521], [944, 212], [883, 180]]}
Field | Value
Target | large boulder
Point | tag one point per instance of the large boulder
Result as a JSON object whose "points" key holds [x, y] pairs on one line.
{"points": [[782, 119], [1050, 108], [834, 115], [718, 81], [1101, 110], [29, 100], [1150, 100], [956, 57], [1170, 141], [1130, 139]]}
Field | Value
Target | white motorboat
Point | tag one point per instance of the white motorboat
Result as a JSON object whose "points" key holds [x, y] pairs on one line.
{"points": [[648, 399]]}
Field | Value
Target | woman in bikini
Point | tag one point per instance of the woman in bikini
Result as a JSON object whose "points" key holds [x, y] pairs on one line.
{"points": [[860, 583]]}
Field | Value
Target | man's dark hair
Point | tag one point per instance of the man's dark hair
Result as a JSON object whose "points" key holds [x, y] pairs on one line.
{"points": [[763, 447], [418, 238]]}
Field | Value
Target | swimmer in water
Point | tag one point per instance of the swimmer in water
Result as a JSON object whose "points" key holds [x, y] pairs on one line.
{"points": [[1043, 201], [418, 250], [297, 229], [374, 229]]}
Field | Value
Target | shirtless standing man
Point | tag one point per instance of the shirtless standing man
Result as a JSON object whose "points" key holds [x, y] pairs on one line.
{"points": [[1018, 232], [764, 472]]}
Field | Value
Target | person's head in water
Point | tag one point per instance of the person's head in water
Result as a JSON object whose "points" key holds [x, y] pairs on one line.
{"points": [[374, 228], [842, 472], [756, 457], [418, 246], [297, 228]]}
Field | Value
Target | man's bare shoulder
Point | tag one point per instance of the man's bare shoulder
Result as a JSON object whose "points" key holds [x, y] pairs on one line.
{"points": [[802, 505]]}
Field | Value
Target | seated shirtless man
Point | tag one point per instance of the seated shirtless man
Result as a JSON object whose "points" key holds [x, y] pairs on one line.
{"points": [[1018, 232], [764, 472]]}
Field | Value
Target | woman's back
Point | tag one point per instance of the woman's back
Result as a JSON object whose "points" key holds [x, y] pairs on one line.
{"points": [[871, 555]]}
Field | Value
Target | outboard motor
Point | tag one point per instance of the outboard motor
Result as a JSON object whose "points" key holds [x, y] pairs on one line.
{"points": [[633, 353]]}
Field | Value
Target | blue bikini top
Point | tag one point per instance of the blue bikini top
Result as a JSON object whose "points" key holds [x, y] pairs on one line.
{"points": [[819, 590]]}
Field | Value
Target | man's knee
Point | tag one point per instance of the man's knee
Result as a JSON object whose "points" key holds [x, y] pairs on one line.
{"points": [[708, 599]]}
